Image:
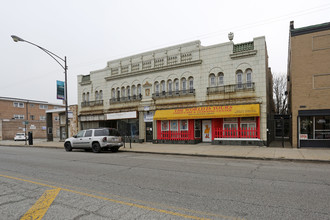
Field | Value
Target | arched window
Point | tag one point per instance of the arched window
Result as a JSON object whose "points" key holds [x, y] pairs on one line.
{"points": [[134, 92], [118, 94], [163, 87], [169, 87], [212, 82], [84, 97], [100, 95], [176, 86], [122, 91], [248, 78], [139, 90], [191, 84], [157, 88], [184, 84], [239, 79], [113, 93], [87, 97], [220, 79], [128, 90], [96, 95]]}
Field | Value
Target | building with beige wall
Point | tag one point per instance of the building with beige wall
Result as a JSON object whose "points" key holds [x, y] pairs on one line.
{"points": [[14, 112], [309, 85], [186, 93]]}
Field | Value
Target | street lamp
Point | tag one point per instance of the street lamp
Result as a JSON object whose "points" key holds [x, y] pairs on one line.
{"points": [[65, 67]]}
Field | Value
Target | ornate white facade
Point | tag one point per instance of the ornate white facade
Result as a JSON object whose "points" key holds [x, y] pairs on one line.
{"points": [[179, 77]]}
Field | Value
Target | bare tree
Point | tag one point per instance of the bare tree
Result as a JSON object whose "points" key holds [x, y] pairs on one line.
{"points": [[279, 93]]}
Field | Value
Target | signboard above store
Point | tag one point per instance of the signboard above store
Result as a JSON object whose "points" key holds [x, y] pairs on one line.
{"points": [[121, 115], [226, 111]]}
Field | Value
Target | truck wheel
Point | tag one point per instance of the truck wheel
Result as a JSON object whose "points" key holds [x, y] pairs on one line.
{"points": [[67, 146], [96, 147]]}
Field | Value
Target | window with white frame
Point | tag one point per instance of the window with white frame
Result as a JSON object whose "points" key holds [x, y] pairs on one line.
{"points": [[212, 82], [43, 106], [157, 88], [220, 79], [42, 118], [169, 86], [164, 125], [191, 85], [249, 78], [18, 116], [176, 84], [184, 84], [19, 104], [174, 125], [184, 125], [239, 79]]}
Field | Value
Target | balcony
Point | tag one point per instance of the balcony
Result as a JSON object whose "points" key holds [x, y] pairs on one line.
{"points": [[231, 88], [173, 94], [132, 98], [92, 103]]}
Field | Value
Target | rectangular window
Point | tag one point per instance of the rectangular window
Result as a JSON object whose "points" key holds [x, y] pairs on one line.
{"points": [[42, 118], [322, 127], [306, 126], [174, 125], [18, 116], [184, 125], [19, 104], [43, 106], [164, 125]]}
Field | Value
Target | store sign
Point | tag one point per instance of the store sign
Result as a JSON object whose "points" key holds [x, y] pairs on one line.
{"points": [[121, 115], [149, 117], [226, 111], [303, 136]]}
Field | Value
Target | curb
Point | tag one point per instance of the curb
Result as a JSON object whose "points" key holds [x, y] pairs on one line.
{"points": [[197, 155]]}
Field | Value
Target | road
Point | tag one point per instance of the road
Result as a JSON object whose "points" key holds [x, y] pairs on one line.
{"points": [[55, 184]]}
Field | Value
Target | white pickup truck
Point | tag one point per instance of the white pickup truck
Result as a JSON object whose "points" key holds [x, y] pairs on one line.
{"points": [[95, 139]]}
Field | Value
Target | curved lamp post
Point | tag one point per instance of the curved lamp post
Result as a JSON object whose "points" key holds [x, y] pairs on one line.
{"points": [[65, 67]]}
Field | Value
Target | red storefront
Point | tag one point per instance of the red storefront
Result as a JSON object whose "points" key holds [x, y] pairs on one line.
{"points": [[208, 124]]}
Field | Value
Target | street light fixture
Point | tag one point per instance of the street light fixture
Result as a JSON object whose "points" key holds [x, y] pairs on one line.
{"points": [[65, 67]]}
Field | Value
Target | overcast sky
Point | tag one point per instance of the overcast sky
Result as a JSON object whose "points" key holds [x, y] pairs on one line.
{"points": [[91, 32]]}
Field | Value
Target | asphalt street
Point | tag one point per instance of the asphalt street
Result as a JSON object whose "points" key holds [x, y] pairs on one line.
{"points": [[125, 185]]}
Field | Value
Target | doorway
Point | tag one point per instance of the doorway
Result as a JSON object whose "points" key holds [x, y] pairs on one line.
{"points": [[207, 131], [149, 136]]}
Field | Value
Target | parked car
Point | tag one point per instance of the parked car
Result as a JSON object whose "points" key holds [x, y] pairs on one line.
{"points": [[20, 137], [95, 139]]}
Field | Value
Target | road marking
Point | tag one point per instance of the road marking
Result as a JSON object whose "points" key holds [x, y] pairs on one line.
{"points": [[39, 209], [124, 203]]}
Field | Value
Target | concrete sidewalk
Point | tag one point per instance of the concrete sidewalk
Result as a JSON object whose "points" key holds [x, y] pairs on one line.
{"points": [[206, 149]]}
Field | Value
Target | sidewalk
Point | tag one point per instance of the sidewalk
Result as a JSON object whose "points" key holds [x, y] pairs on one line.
{"points": [[206, 149]]}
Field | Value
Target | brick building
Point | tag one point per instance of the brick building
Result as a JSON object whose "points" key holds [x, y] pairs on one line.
{"points": [[309, 85], [186, 93], [14, 112]]}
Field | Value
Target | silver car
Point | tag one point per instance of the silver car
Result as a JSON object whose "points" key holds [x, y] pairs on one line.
{"points": [[95, 139]]}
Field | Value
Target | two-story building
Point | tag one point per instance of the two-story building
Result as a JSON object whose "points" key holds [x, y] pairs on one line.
{"points": [[186, 93], [309, 85], [23, 115]]}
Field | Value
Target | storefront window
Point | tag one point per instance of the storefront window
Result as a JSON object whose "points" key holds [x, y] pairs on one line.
{"points": [[174, 125], [306, 126], [197, 128], [184, 125], [322, 127], [165, 125]]}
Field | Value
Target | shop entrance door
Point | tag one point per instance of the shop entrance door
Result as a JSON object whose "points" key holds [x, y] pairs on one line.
{"points": [[149, 135], [207, 130]]}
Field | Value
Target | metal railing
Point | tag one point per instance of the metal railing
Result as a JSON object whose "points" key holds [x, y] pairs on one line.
{"points": [[126, 99], [163, 94], [92, 103], [231, 88]]}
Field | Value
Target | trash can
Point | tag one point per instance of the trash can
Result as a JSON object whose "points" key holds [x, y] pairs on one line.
{"points": [[30, 138]]}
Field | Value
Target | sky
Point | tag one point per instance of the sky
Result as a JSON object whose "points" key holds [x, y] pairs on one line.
{"points": [[91, 32]]}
